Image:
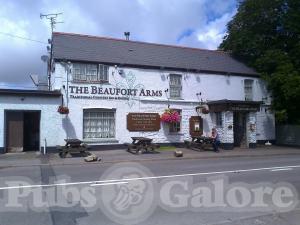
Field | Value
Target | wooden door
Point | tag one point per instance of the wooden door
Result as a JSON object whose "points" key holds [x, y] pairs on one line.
{"points": [[14, 131]]}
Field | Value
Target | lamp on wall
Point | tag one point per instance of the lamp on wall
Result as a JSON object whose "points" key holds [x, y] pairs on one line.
{"points": [[264, 100], [121, 72], [199, 108], [186, 76], [162, 75], [228, 78], [115, 69], [166, 92], [265, 104], [202, 108], [199, 99]]}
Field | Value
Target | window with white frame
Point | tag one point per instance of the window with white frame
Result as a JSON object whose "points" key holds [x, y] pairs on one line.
{"points": [[219, 122], [175, 127], [175, 85], [248, 89], [83, 72], [98, 123]]}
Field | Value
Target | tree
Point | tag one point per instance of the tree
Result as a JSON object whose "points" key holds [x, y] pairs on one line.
{"points": [[265, 34]]}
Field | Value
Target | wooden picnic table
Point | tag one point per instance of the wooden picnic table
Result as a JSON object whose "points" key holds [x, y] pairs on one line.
{"points": [[73, 145], [141, 143], [199, 142]]}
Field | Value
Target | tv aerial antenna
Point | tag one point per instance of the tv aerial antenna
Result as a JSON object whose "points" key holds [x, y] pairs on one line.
{"points": [[52, 19]]}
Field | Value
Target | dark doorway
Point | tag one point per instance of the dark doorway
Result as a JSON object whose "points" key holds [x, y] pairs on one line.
{"points": [[22, 131], [31, 131], [239, 129]]}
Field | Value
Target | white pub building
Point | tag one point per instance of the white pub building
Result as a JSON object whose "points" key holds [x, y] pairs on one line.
{"points": [[104, 91]]}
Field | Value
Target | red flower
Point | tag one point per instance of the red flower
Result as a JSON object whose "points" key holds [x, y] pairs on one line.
{"points": [[170, 116], [63, 109]]}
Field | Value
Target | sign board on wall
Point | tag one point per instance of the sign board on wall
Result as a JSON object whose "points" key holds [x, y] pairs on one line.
{"points": [[143, 122], [196, 126], [99, 92], [235, 106]]}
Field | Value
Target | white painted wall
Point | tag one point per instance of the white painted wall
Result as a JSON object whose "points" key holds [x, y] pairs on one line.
{"points": [[51, 121], [212, 87], [55, 127]]}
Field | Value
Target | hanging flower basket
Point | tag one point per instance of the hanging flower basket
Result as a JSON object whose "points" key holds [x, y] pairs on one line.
{"points": [[63, 109], [170, 116], [205, 110], [202, 109]]}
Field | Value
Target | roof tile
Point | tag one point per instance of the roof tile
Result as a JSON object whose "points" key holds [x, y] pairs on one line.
{"points": [[78, 47]]}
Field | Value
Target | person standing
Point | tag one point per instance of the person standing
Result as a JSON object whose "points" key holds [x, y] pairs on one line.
{"points": [[216, 139]]}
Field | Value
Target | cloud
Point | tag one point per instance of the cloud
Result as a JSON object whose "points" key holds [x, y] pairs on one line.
{"points": [[210, 35], [195, 23], [213, 34]]}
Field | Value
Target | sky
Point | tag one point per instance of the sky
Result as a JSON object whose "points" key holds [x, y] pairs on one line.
{"points": [[192, 23]]}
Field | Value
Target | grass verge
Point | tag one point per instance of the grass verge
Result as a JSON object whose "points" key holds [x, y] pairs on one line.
{"points": [[167, 148]]}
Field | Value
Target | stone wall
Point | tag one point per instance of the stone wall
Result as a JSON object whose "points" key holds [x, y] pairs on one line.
{"points": [[251, 129], [226, 130]]}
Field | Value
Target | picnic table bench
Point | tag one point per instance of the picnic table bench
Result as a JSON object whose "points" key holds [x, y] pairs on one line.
{"points": [[141, 144], [72, 146], [199, 142]]}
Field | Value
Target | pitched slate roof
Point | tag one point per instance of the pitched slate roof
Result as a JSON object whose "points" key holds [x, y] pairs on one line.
{"points": [[78, 47]]}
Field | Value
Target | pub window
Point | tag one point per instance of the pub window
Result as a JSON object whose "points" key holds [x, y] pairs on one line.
{"points": [[98, 123], [248, 88], [175, 127], [175, 86], [218, 119], [83, 72]]}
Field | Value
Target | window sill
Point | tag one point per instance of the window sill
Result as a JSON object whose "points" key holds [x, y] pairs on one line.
{"points": [[176, 98], [101, 140], [176, 133]]}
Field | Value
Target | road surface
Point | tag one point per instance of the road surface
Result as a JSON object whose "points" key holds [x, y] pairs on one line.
{"points": [[130, 193]]}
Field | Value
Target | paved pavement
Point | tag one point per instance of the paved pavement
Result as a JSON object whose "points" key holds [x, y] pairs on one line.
{"points": [[115, 156]]}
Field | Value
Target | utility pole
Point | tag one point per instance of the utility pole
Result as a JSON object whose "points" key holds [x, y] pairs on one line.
{"points": [[52, 19]]}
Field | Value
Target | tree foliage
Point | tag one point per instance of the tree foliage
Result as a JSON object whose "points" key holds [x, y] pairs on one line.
{"points": [[265, 34]]}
